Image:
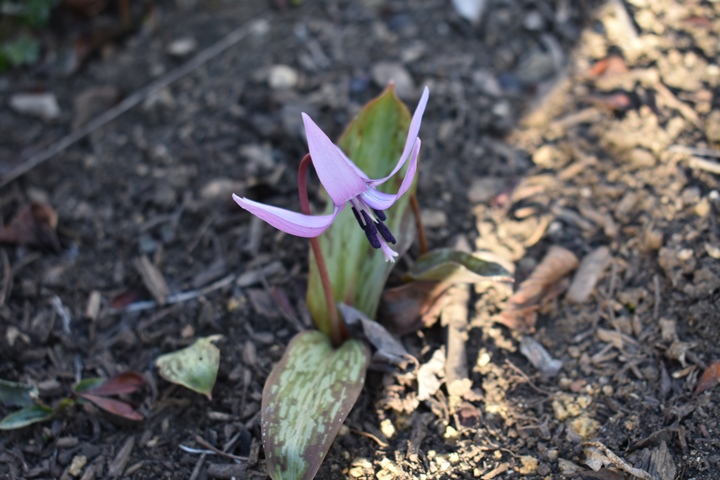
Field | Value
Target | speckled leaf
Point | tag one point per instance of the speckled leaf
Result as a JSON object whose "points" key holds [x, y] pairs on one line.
{"points": [[194, 367], [374, 141], [26, 416], [453, 267], [306, 399]]}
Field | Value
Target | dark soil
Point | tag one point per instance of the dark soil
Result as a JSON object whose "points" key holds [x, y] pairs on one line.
{"points": [[528, 142]]}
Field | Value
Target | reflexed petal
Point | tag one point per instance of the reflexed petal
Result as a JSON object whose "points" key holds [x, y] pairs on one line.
{"points": [[382, 201], [411, 137], [294, 223], [355, 167], [340, 180]]}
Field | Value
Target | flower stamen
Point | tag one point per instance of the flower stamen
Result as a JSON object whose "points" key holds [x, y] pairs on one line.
{"points": [[385, 232]]}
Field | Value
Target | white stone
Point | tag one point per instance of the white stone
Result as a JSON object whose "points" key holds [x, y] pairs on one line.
{"points": [[182, 47], [282, 77], [43, 105]]}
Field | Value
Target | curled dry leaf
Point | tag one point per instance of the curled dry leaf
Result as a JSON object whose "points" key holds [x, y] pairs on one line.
{"points": [[710, 378], [598, 455], [539, 288], [540, 357], [390, 355], [33, 225], [412, 306]]}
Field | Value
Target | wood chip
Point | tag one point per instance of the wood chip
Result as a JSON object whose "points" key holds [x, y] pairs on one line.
{"points": [[93, 305], [521, 310], [591, 268], [152, 279], [455, 316], [662, 465], [117, 467], [226, 471]]}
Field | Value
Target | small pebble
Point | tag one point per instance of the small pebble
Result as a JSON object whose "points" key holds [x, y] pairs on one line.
{"points": [[282, 77], [182, 47]]}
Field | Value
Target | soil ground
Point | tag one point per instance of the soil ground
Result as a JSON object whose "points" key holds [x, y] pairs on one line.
{"points": [[590, 126]]}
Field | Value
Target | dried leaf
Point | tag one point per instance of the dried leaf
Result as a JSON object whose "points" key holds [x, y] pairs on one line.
{"points": [[92, 102], [127, 382], [610, 65], [116, 407], [539, 357], [33, 225], [124, 299], [588, 274], [415, 305], [153, 279], [598, 455], [194, 367], [710, 378], [390, 355], [430, 375], [521, 309], [306, 398], [617, 102], [410, 307]]}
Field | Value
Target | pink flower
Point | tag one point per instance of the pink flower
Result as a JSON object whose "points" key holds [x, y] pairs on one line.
{"points": [[346, 184]]}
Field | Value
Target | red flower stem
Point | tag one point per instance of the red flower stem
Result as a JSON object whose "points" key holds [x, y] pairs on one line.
{"points": [[335, 329], [418, 224]]}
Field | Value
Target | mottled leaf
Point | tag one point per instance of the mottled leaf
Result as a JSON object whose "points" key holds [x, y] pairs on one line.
{"points": [[194, 367], [26, 416], [14, 394], [374, 141], [306, 399]]}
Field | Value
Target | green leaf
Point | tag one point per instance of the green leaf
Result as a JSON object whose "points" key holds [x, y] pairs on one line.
{"points": [[374, 141], [14, 394], [306, 399], [88, 384], [449, 266], [194, 367], [22, 51], [26, 416]]}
